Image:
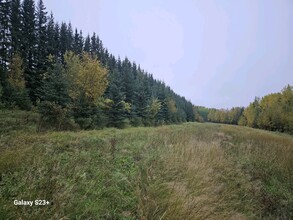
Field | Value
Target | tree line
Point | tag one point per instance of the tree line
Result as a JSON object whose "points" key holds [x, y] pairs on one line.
{"points": [[273, 112], [72, 80]]}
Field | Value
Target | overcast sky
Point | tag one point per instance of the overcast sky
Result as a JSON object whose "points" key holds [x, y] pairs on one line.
{"points": [[216, 53]]}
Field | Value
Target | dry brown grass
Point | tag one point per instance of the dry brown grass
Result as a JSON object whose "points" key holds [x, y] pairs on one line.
{"points": [[201, 192], [204, 170]]}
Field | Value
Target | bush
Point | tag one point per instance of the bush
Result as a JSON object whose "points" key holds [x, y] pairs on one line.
{"points": [[21, 99], [1, 95], [85, 123], [136, 121], [54, 116]]}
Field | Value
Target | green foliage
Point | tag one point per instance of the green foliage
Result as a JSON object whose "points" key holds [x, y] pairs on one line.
{"points": [[201, 113], [55, 85], [231, 116], [16, 73], [86, 76], [270, 113], [273, 112], [25, 27], [41, 38], [88, 115], [152, 110], [117, 108], [28, 48], [5, 37], [87, 83], [287, 108], [54, 116], [1, 97], [251, 113], [15, 19], [16, 84]]}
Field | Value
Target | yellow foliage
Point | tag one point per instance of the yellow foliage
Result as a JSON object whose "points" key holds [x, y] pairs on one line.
{"points": [[16, 73], [127, 106], [154, 107], [172, 105], [104, 103], [86, 75]]}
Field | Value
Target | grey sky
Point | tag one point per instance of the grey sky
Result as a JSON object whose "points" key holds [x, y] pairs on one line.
{"points": [[216, 53]]}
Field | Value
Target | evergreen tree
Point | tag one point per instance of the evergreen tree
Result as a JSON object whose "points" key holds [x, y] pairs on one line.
{"points": [[99, 49], [28, 47], [141, 99], [55, 85], [16, 27], [42, 40], [70, 37], [77, 46], [51, 42], [4, 45], [94, 45], [128, 80], [57, 41], [5, 36], [66, 39], [1, 97], [133, 94], [63, 44], [87, 44], [111, 64], [163, 115], [117, 112], [54, 107]]}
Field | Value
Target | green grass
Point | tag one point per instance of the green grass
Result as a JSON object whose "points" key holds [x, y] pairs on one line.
{"points": [[188, 171]]}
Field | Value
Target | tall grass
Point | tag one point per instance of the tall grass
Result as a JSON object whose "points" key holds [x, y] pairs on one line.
{"points": [[189, 171]]}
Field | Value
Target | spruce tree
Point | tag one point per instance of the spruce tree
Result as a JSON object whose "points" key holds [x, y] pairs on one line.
{"points": [[69, 37], [4, 45], [57, 41], [77, 46], [42, 40], [94, 46], [55, 85], [132, 93], [5, 35], [117, 112], [28, 47], [16, 27], [63, 44], [51, 42], [87, 44], [128, 80]]}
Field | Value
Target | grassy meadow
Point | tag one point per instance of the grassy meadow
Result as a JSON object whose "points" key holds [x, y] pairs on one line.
{"points": [[187, 171]]}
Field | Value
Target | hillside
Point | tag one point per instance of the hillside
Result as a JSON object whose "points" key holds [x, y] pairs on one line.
{"points": [[188, 171]]}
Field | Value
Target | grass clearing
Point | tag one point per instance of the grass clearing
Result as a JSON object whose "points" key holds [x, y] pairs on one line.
{"points": [[188, 171]]}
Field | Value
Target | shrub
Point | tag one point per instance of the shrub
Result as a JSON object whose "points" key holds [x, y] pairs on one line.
{"points": [[54, 116]]}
